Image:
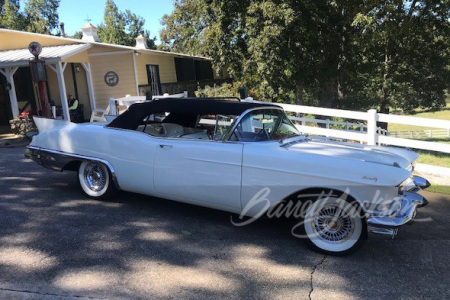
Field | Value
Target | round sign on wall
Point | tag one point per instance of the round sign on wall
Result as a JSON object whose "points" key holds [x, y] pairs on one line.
{"points": [[111, 78]]}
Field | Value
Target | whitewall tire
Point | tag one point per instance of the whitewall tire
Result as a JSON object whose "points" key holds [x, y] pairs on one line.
{"points": [[334, 226], [96, 180]]}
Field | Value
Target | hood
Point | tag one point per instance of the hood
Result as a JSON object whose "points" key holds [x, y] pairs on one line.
{"points": [[390, 156]]}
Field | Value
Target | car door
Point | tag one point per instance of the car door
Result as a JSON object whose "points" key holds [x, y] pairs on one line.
{"points": [[202, 172]]}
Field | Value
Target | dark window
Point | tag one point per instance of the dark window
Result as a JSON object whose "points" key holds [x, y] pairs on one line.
{"points": [[185, 69], [153, 79], [189, 69], [203, 70]]}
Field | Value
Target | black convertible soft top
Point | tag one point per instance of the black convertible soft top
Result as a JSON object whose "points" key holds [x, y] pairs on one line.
{"points": [[183, 108]]}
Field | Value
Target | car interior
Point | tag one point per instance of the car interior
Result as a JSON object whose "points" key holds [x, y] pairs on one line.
{"points": [[259, 125], [202, 127]]}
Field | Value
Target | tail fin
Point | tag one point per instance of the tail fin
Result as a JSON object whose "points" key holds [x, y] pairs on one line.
{"points": [[44, 124]]}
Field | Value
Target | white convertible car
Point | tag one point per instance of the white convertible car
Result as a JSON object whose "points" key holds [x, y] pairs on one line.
{"points": [[244, 158]]}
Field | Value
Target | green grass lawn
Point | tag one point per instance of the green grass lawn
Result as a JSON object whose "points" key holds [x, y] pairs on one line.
{"points": [[443, 114], [433, 158], [440, 189], [429, 157]]}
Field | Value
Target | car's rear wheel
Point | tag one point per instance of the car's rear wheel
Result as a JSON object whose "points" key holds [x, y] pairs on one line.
{"points": [[96, 180], [334, 226]]}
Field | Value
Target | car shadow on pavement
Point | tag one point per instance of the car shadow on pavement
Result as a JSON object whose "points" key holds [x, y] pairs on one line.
{"points": [[56, 242]]}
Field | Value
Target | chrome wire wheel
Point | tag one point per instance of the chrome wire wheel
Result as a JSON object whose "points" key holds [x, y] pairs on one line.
{"points": [[333, 225], [95, 176]]}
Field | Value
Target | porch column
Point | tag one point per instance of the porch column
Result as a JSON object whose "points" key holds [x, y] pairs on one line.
{"points": [[59, 69], [9, 74], [87, 69]]}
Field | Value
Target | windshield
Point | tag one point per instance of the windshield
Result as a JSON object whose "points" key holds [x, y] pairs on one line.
{"points": [[264, 125]]}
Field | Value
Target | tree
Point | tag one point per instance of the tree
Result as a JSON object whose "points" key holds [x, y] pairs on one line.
{"points": [[122, 28], [10, 17], [113, 30], [292, 48], [184, 27], [353, 54], [135, 27], [78, 35], [407, 42], [41, 15]]}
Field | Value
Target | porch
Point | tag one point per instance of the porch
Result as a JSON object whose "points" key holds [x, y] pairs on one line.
{"points": [[68, 72]]}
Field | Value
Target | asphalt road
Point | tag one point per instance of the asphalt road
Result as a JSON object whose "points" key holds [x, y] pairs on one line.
{"points": [[57, 244]]}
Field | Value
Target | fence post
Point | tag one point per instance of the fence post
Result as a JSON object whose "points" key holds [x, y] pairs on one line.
{"points": [[361, 129], [328, 124], [185, 94], [372, 118]]}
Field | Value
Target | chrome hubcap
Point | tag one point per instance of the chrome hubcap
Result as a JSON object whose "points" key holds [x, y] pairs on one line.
{"points": [[333, 224], [95, 177]]}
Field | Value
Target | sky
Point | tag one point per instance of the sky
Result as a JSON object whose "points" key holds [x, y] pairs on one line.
{"points": [[74, 13]]}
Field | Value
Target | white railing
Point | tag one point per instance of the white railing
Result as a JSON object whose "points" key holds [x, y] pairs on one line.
{"points": [[370, 118], [348, 126], [421, 134]]}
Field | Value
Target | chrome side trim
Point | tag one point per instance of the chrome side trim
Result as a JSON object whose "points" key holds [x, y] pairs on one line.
{"points": [[37, 153]]}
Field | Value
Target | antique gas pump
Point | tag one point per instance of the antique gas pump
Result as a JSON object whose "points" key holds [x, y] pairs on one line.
{"points": [[39, 76]]}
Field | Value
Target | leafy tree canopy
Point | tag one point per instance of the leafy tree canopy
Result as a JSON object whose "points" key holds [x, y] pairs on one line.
{"points": [[40, 16], [350, 54], [122, 27]]}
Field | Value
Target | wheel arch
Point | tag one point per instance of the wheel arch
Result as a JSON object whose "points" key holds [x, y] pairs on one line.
{"points": [[72, 165], [75, 164]]}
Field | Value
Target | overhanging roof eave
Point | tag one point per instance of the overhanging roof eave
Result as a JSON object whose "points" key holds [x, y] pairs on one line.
{"points": [[26, 63], [55, 54]]}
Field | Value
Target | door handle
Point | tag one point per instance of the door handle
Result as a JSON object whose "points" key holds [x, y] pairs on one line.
{"points": [[165, 146]]}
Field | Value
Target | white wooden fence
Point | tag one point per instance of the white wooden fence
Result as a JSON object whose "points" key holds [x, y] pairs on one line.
{"points": [[421, 134], [348, 126], [372, 136]]}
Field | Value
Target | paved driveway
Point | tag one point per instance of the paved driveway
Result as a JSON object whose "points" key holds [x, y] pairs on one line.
{"points": [[57, 244]]}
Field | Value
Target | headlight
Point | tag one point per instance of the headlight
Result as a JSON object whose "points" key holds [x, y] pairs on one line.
{"points": [[387, 208]]}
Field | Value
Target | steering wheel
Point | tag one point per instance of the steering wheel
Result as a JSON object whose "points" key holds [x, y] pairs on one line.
{"points": [[262, 135]]}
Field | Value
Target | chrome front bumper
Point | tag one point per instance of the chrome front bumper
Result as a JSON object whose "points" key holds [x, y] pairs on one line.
{"points": [[410, 202]]}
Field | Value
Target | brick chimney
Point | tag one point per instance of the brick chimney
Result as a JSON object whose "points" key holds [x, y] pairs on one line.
{"points": [[141, 42], [90, 33]]}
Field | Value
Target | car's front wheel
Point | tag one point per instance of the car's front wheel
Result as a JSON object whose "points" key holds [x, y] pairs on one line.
{"points": [[96, 180], [334, 226]]}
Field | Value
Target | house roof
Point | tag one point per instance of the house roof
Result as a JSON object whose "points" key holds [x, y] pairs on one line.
{"points": [[72, 40], [21, 57]]}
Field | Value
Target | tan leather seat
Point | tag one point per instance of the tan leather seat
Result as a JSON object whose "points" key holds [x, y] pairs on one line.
{"points": [[172, 130]]}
